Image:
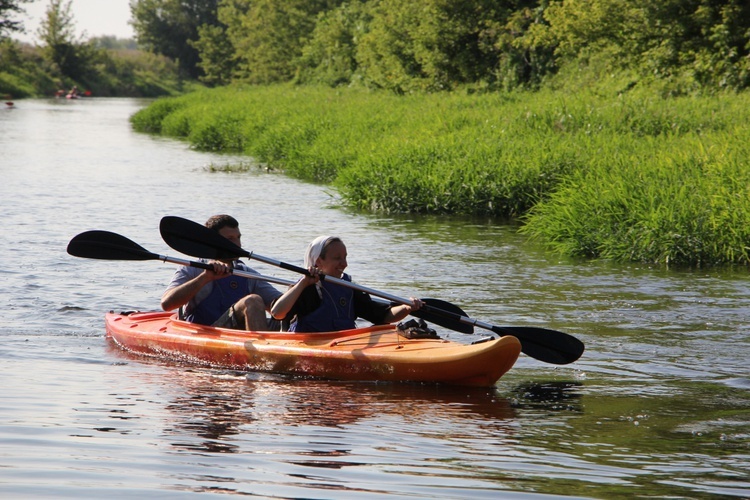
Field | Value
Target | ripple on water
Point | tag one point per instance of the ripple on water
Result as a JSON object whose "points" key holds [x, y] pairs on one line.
{"points": [[655, 407]]}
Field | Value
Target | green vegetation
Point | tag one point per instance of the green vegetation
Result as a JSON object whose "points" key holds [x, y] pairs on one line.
{"points": [[633, 178], [407, 46], [25, 71], [611, 128], [435, 45], [102, 66]]}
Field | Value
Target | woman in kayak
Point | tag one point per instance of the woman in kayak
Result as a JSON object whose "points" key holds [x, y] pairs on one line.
{"points": [[315, 305]]}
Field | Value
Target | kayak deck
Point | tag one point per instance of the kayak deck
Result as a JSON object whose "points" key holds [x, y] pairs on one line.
{"points": [[376, 353]]}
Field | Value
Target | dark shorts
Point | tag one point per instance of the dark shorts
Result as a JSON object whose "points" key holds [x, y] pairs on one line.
{"points": [[230, 320]]}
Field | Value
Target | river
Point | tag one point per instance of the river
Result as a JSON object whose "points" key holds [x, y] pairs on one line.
{"points": [[657, 407]]}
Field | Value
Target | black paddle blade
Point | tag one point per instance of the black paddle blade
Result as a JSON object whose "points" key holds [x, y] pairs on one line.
{"points": [[546, 345], [107, 246], [194, 239], [447, 321]]}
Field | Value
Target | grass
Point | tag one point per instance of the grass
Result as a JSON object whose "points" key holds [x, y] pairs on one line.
{"points": [[628, 177]]}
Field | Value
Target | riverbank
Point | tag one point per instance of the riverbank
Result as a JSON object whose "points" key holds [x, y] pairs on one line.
{"points": [[102, 72], [633, 177]]}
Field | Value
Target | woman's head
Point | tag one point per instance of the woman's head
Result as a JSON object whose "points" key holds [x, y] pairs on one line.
{"points": [[327, 253]]}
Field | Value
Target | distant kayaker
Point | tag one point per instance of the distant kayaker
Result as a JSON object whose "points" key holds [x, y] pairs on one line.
{"points": [[218, 297], [315, 305]]}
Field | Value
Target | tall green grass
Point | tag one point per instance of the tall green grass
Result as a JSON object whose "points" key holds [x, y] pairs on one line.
{"points": [[626, 177]]}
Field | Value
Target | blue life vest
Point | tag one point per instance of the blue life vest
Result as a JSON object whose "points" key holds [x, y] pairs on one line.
{"points": [[336, 310], [224, 293]]}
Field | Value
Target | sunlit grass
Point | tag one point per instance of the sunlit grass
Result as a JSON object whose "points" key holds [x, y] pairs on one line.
{"points": [[629, 177]]}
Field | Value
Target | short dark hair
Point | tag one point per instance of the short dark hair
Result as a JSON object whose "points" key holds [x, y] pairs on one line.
{"points": [[218, 222]]}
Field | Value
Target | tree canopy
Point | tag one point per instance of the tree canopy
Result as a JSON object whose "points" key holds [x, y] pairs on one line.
{"points": [[171, 27], [9, 8], [432, 45]]}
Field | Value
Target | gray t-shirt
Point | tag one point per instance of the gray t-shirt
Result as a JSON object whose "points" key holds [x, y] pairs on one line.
{"points": [[259, 287]]}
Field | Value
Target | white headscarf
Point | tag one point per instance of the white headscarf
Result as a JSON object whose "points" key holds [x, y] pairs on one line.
{"points": [[315, 248]]}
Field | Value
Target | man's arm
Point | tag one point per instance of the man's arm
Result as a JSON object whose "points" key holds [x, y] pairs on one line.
{"points": [[179, 295]]}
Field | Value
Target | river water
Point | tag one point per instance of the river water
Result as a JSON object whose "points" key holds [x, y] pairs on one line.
{"points": [[657, 407]]}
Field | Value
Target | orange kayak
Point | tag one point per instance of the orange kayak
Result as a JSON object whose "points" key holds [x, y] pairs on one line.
{"points": [[376, 353]]}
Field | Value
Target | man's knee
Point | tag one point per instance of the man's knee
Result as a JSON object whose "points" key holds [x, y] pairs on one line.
{"points": [[253, 303]]}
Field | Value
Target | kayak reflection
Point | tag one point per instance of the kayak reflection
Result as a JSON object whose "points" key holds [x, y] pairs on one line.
{"points": [[218, 404], [221, 411]]}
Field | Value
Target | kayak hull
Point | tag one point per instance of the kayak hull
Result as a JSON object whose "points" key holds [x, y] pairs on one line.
{"points": [[376, 353]]}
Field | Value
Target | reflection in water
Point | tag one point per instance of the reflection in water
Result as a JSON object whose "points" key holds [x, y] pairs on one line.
{"points": [[218, 405], [552, 395]]}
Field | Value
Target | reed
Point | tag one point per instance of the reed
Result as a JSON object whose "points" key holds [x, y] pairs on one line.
{"points": [[628, 177]]}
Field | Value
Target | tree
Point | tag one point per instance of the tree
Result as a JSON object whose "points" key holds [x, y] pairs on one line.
{"points": [[60, 45], [171, 28], [216, 55], [7, 9], [329, 57], [268, 35], [430, 44], [696, 43]]}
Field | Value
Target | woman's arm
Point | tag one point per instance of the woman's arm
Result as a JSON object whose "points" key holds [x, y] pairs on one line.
{"points": [[381, 314], [281, 306], [399, 312]]}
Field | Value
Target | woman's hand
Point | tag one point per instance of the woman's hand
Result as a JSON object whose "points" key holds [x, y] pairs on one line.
{"points": [[416, 304], [312, 276], [281, 306]]}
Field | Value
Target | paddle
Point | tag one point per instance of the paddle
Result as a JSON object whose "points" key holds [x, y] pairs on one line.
{"points": [[106, 245], [543, 344]]}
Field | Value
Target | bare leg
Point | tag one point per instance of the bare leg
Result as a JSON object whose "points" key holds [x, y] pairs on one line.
{"points": [[252, 310]]}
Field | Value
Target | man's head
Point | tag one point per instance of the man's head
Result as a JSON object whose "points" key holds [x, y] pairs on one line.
{"points": [[218, 222], [227, 226]]}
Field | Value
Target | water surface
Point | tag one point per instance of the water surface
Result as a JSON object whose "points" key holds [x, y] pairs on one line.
{"points": [[658, 406]]}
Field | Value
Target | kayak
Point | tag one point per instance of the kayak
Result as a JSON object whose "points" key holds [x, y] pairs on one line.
{"points": [[374, 353]]}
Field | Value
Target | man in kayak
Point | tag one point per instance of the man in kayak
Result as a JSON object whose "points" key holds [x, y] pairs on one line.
{"points": [[326, 306], [217, 297]]}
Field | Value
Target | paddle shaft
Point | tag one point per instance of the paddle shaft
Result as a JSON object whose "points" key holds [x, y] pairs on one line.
{"points": [[330, 279], [282, 281], [236, 272]]}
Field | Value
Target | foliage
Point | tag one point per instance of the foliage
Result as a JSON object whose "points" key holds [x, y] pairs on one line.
{"points": [[170, 28], [637, 178], [103, 66], [329, 57], [429, 45], [7, 9], [682, 206], [25, 72], [268, 35], [60, 44], [113, 43], [436, 45], [691, 44], [22, 71], [216, 55]]}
